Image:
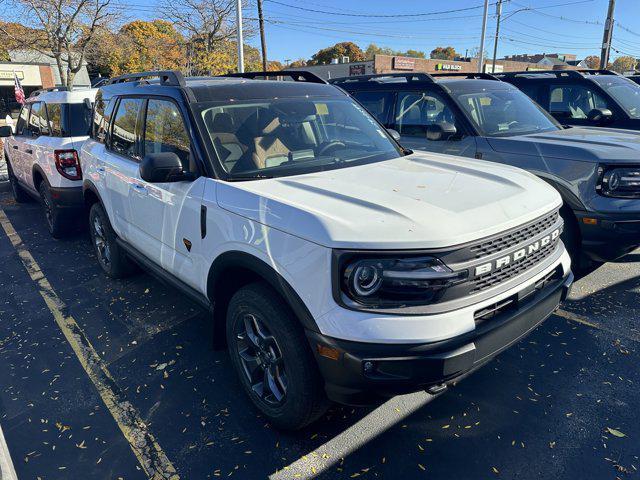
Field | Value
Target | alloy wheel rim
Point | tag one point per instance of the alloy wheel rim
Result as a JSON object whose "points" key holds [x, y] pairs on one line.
{"points": [[261, 360], [102, 247]]}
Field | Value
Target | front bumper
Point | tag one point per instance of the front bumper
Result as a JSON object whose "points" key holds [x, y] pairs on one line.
{"points": [[365, 373], [608, 237]]}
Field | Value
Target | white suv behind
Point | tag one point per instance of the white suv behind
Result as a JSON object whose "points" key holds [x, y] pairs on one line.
{"points": [[336, 264], [43, 155]]}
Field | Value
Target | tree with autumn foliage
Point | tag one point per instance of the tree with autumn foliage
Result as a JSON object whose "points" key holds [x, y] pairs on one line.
{"points": [[624, 64], [142, 45], [339, 50], [592, 62], [444, 53]]}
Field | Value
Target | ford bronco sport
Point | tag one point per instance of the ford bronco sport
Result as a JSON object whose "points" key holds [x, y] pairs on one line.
{"points": [[596, 170], [42, 156], [336, 264]]}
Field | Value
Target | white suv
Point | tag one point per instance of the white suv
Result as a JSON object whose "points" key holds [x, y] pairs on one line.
{"points": [[42, 155], [336, 264]]}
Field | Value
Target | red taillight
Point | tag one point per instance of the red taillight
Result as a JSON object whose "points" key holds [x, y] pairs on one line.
{"points": [[68, 164]]}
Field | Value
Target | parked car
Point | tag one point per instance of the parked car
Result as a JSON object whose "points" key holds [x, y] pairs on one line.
{"points": [[337, 264], [597, 171], [42, 155], [595, 98], [634, 78]]}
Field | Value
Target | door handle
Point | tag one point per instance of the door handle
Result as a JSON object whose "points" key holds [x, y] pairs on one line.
{"points": [[29, 151], [100, 169], [140, 189]]}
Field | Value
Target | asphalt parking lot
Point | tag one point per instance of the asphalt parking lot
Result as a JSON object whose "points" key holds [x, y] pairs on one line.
{"points": [[91, 366]]}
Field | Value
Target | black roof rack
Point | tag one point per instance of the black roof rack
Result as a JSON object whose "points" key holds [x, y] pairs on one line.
{"points": [[50, 89], [409, 77], [169, 78], [296, 75], [589, 71], [469, 75], [558, 73]]}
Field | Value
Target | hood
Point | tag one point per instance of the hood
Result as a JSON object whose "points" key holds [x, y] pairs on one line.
{"points": [[589, 144], [419, 201]]}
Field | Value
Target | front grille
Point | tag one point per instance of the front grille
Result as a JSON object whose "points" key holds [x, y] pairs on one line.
{"points": [[523, 234], [500, 275]]}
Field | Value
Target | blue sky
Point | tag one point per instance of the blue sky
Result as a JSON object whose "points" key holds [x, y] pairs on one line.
{"points": [[299, 28]]}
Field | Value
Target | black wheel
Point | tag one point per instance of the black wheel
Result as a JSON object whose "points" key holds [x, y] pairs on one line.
{"points": [[19, 195], [111, 257], [57, 221], [272, 358]]}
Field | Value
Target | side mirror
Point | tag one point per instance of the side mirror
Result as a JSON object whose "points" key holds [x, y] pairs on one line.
{"points": [[394, 134], [6, 131], [163, 167], [600, 115], [441, 131]]}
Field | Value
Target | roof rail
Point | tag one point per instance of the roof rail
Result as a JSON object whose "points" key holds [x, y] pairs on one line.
{"points": [[50, 89], [533, 73], [589, 71], [296, 75], [469, 75], [169, 78], [409, 77]]}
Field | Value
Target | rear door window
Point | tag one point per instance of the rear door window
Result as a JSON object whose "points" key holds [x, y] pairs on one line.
{"points": [[377, 103], [38, 119], [125, 129], [23, 119]]}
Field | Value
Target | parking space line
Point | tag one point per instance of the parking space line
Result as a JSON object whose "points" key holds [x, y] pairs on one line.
{"points": [[389, 414], [152, 458], [7, 472]]}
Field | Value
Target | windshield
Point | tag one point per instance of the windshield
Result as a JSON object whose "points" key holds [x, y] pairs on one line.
{"points": [[503, 112], [625, 92], [291, 136]]}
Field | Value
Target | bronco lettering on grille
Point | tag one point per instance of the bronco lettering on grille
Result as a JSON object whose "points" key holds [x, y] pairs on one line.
{"points": [[517, 255]]}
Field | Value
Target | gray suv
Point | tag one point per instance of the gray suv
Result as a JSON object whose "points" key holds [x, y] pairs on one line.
{"points": [[596, 170]]}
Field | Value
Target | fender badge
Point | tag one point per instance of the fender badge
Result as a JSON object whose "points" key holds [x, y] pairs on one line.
{"points": [[187, 243]]}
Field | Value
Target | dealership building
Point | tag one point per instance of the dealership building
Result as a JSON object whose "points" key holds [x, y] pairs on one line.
{"points": [[35, 71], [396, 64]]}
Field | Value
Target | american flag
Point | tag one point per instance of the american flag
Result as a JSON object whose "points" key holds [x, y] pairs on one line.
{"points": [[17, 89]]}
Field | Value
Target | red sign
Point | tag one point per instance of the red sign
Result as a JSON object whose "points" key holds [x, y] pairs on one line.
{"points": [[404, 63]]}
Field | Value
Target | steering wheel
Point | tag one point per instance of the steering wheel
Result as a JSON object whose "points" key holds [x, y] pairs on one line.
{"points": [[330, 145]]}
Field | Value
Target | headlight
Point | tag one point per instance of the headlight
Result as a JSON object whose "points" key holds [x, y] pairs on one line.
{"points": [[395, 281], [619, 182]]}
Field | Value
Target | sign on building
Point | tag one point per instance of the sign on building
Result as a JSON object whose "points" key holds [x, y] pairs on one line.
{"points": [[358, 69], [8, 74], [448, 66], [404, 63]]}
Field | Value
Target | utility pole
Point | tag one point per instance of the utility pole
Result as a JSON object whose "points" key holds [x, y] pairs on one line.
{"points": [[240, 41], [495, 43], [607, 36], [484, 31], [263, 42]]}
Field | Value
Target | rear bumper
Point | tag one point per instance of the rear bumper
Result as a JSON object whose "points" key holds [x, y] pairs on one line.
{"points": [[68, 197], [611, 236], [365, 373]]}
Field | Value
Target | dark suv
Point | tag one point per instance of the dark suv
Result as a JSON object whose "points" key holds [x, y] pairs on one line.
{"points": [[596, 170], [595, 98]]}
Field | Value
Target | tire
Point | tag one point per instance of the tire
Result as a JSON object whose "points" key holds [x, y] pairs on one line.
{"points": [[111, 256], [581, 265], [279, 351], [19, 195], [57, 221]]}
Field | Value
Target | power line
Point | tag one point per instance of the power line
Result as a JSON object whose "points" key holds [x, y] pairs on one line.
{"points": [[373, 15]]}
